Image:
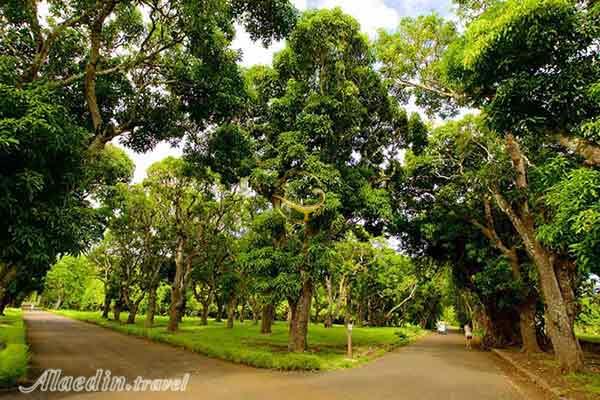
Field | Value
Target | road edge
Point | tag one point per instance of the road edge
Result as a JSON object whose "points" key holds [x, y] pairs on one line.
{"points": [[536, 379]]}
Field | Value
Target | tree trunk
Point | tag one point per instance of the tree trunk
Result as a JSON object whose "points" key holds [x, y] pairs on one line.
{"points": [[132, 314], [565, 274], [174, 308], [204, 315], [177, 289], [182, 307], [58, 303], [328, 322], [526, 309], [151, 308], [231, 306], [267, 318], [558, 322], [3, 303], [242, 311], [117, 310], [300, 319], [360, 314], [7, 274], [106, 305], [219, 309], [527, 326]]}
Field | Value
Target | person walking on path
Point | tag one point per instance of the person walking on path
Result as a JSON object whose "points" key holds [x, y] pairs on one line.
{"points": [[468, 335]]}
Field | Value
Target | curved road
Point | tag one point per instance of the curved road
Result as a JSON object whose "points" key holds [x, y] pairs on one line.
{"points": [[435, 367]]}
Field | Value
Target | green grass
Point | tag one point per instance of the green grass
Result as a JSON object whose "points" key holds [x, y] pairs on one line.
{"points": [[244, 343], [590, 382], [14, 355]]}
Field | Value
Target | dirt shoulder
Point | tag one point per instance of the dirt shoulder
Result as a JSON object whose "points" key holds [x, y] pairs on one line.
{"points": [[543, 368]]}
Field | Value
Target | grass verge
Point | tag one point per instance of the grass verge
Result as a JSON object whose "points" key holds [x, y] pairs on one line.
{"points": [[244, 344], [14, 354]]}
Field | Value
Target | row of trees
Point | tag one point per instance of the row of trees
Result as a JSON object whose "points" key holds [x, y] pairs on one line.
{"points": [[512, 190], [215, 249], [507, 197]]}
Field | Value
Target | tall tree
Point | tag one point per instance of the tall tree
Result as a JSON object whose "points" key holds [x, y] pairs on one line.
{"points": [[538, 95], [194, 211], [141, 70], [319, 126], [48, 184]]}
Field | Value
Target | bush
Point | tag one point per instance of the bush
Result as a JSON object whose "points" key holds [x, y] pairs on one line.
{"points": [[14, 356]]}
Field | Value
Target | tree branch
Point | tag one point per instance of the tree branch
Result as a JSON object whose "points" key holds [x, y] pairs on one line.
{"points": [[589, 151], [440, 92]]}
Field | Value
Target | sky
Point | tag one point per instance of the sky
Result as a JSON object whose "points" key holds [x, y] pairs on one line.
{"points": [[371, 14]]}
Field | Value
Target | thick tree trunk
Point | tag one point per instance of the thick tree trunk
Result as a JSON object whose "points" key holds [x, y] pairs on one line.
{"points": [[174, 308], [526, 309], [151, 308], [267, 318], [178, 289], [182, 307], [219, 309], [204, 315], [565, 274], [527, 326], [231, 306], [558, 322], [106, 305], [242, 312], [3, 303], [132, 314], [300, 319], [117, 310]]}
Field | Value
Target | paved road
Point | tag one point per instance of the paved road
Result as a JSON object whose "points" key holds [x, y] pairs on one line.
{"points": [[435, 367]]}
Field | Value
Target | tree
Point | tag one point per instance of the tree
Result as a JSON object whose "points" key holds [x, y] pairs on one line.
{"points": [[145, 70], [526, 90], [452, 176], [48, 184], [138, 242], [92, 71], [318, 127], [195, 210], [66, 283]]}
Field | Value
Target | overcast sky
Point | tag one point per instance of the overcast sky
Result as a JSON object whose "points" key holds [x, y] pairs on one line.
{"points": [[372, 15]]}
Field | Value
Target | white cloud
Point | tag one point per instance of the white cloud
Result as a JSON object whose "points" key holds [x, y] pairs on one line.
{"points": [[254, 52], [144, 160], [371, 14]]}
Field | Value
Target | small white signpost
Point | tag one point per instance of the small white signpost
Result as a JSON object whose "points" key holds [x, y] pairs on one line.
{"points": [[349, 330]]}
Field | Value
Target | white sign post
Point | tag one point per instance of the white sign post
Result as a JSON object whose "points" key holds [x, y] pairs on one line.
{"points": [[349, 330]]}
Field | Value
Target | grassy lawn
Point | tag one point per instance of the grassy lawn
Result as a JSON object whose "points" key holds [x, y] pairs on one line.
{"points": [[589, 382], [244, 343], [14, 354]]}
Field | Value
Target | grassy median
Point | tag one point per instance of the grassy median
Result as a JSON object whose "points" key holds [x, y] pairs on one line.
{"points": [[244, 343], [14, 354]]}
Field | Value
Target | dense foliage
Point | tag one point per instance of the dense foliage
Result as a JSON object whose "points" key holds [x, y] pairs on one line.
{"points": [[296, 175]]}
